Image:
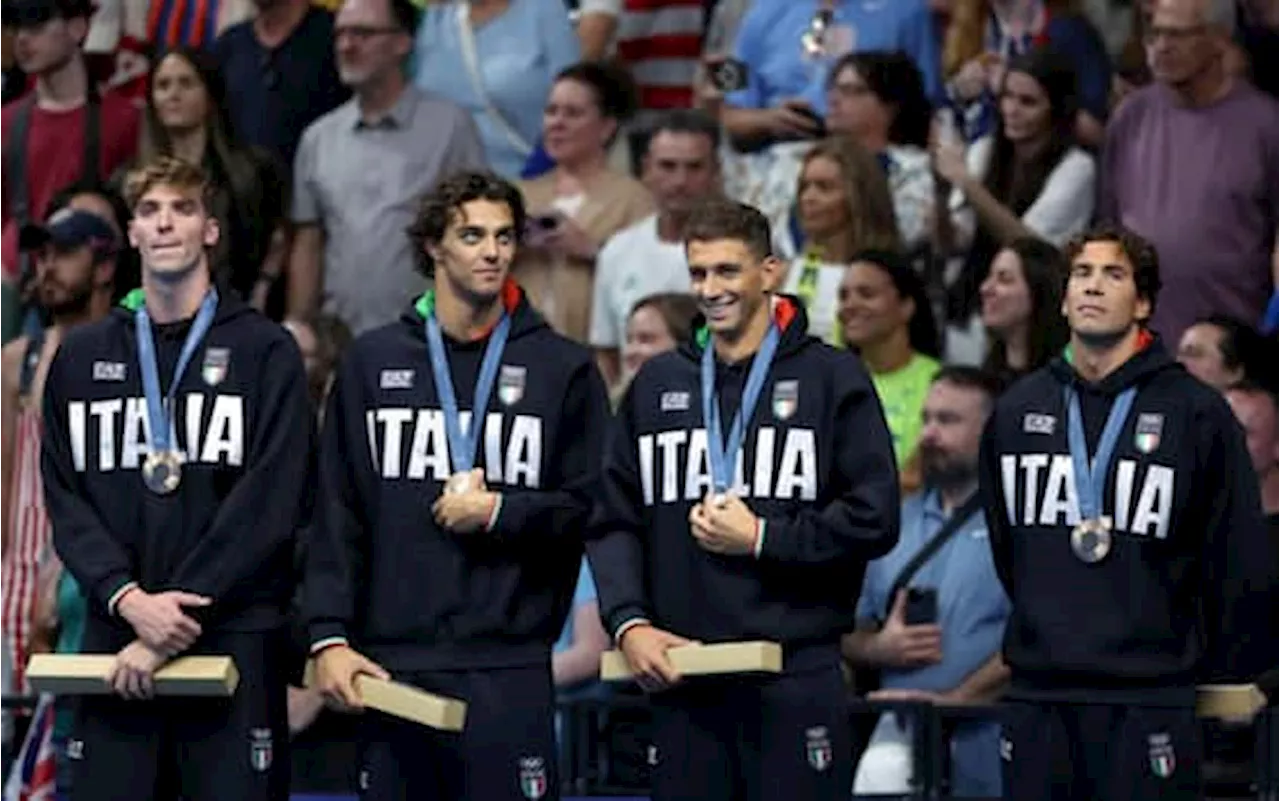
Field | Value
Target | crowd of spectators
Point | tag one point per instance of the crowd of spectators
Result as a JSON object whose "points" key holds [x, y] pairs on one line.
{"points": [[921, 162]]}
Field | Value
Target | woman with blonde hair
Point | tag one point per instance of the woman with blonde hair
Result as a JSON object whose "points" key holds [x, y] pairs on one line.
{"points": [[843, 206]]}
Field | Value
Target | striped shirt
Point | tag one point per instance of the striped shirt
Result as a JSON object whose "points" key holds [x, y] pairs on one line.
{"points": [[661, 41]]}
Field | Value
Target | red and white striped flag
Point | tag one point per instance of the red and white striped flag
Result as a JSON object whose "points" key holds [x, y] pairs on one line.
{"points": [[32, 778]]}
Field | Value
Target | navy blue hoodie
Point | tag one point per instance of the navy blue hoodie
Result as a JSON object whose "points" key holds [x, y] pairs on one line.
{"points": [[380, 573], [1140, 626], [242, 420], [819, 469]]}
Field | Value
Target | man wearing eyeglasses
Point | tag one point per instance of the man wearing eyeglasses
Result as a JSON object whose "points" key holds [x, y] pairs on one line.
{"points": [[1212, 218], [361, 168], [789, 47]]}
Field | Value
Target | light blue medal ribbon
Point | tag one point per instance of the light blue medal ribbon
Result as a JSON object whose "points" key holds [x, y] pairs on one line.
{"points": [[463, 444], [158, 408], [1091, 539], [723, 455]]}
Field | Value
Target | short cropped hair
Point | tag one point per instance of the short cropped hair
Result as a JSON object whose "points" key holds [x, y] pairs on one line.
{"points": [[1141, 254], [691, 121], [438, 209], [171, 172], [975, 378], [718, 218]]}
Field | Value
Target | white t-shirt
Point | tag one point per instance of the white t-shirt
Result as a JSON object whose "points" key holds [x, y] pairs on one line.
{"points": [[1062, 210], [632, 265]]}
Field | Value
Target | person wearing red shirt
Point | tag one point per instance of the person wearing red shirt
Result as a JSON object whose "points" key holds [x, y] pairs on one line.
{"points": [[49, 39]]}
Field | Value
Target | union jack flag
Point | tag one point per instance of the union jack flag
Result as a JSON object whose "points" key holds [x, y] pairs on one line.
{"points": [[32, 778]]}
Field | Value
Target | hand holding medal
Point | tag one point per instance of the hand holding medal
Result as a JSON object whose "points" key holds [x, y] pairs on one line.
{"points": [[722, 522], [466, 503]]}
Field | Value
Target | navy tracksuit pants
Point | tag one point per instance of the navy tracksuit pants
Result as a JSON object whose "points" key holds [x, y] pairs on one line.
{"points": [[781, 737], [1100, 752], [506, 750], [196, 749]]}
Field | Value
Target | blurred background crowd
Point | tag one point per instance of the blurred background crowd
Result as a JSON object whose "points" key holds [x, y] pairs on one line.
{"points": [[921, 161]]}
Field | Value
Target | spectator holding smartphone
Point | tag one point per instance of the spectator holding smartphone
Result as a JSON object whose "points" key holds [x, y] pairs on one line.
{"points": [[941, 564], [790, 46]]}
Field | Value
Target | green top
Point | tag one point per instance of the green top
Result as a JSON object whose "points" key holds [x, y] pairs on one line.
{"points": [[902, 394]]}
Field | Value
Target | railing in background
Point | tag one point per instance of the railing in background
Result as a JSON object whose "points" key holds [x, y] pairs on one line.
{"points": [[587, 767]]}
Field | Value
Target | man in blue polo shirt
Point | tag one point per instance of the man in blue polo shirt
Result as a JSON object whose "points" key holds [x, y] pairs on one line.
{"points": [[934, 631]]}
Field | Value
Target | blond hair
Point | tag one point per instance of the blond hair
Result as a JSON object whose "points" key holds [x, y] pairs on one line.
{"points": [[872, 224], [171, 172]]}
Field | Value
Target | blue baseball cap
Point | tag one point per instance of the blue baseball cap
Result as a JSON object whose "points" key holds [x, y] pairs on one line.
{"points": [[70, 229]]}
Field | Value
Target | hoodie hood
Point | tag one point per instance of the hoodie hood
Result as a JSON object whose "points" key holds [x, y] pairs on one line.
{"points": [[1152, 358], [524, 318], [230, 306], [788, 314]]}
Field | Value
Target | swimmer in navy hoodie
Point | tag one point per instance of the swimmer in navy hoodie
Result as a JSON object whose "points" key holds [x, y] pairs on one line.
{"points": [[176, 459], [749, 518], [458, 463], [1128, 533]]}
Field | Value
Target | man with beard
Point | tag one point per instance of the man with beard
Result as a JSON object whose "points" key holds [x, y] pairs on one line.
{"points": [[932, 613], [64, 129], [360, 170], [75, 255]]}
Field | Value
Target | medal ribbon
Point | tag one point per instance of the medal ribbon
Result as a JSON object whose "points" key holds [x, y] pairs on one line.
{"points": [[722, 455], [463, 444], [158, 410], [1091, 477]]}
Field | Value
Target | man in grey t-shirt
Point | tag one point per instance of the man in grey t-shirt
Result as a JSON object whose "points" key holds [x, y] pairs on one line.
{"points": [[361, 168]]}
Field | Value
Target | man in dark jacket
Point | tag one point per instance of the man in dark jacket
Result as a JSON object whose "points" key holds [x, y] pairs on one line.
{"points": [[725, 520], [175, 463], [1125, 527], [449, 527]]}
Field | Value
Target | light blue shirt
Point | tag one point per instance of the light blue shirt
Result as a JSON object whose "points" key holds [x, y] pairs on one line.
{"points": [[519, 53], [584, 593], [769, 42], [972, 611]]}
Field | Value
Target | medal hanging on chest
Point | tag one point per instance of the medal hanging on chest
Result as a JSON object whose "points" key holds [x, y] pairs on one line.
{"points": [[722, 454], [162, 467], [1092, 537], [463, 444]]}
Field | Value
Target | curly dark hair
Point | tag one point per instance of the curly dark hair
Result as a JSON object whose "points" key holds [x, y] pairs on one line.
{"points": [[719, 218], [1140, 253], [437, 209]]}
